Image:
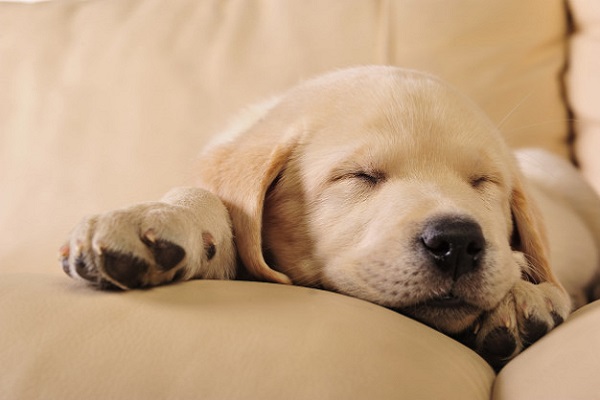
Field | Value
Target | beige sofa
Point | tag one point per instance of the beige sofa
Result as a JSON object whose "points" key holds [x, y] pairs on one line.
{"points": [[107, 102]]}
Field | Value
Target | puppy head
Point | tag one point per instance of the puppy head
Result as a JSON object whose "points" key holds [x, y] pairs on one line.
{"points": [[386, 185]]}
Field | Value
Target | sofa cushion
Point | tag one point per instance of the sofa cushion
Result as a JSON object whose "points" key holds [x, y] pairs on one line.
{"points": [[562, 365], [583, 86], [107, 102], [220, 340]]}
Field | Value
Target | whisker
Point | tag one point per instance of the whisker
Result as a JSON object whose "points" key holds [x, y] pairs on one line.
{"points": [[552, 121], [514, 109], [531, 266]]}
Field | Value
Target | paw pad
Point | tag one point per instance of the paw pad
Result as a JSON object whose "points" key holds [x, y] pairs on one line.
{"points": [[533, 329], [556, 318], [125, 269], [498, 346], [167, 255]]}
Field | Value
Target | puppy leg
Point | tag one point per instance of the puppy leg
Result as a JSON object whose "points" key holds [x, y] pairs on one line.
{"points": [[186, 235], [527, 313]]}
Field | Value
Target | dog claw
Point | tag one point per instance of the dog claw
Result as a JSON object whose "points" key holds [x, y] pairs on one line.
{"points": [[64, 251], [149, 236], [99, 248]]}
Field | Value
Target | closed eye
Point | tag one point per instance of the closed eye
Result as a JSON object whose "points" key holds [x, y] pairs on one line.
{"points": [[479, 181], [372, 178]]}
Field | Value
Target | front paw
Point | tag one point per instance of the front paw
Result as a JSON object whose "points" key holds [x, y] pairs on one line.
{"points": [[527, 313], [126, 249], [184, 236]]}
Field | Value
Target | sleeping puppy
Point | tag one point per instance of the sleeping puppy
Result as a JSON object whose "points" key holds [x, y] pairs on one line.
{"points": [[379, 183]]}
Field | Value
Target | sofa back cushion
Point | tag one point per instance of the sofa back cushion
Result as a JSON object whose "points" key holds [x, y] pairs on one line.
{"points": [[103, 103]]}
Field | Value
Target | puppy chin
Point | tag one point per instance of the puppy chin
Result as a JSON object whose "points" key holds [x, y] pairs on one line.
{"points": [[449, 319]]}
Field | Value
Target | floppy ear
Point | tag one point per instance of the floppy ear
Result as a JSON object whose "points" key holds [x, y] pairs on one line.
{"points": [[530, 230], [240, 173]]}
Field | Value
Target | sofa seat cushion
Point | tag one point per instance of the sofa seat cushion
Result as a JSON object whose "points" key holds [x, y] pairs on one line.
{"points": [[220, 340], [562, 365]]}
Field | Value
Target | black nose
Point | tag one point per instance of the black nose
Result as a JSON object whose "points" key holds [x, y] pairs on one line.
{"points": [[456, 245]]}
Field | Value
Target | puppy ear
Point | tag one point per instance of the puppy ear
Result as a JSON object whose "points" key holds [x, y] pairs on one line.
{"points": [[529, 235], [239, 173]]}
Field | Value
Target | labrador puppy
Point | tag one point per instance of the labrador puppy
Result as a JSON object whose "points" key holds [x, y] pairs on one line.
{"points": [[376, 182]]}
